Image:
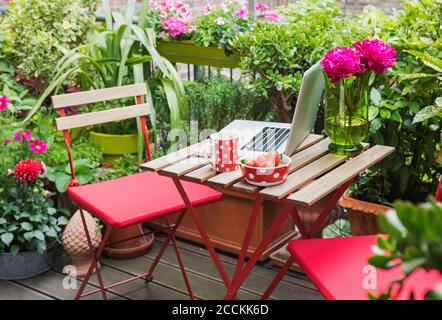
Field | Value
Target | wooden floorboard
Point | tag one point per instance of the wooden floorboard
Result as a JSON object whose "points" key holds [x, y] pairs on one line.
{"points": [[167, 283], [13, 291], [262, 268], [256, 282]]}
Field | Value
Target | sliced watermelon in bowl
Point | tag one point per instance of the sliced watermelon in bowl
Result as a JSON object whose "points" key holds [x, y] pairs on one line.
{"points": [[266, 170]]}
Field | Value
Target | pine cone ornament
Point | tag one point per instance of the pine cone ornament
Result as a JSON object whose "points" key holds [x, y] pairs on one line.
{"points": [[75, 241]]}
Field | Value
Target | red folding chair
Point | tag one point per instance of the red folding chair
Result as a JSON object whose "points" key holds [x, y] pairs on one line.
{"points": [[129, 200], [339, 268]]}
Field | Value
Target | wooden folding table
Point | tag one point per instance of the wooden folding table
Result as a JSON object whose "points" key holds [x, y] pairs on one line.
{"points": [[314, 174]]}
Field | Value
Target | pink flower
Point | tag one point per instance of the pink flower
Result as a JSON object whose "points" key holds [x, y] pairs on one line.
{"points": [[3, 102], [7, 141], [272, 16], [341, 63], [261, 6], [163, 34], [26, 135], [207, 9], [175, 26], [376, 54], [219, 21], [17, 136], [241, 13], [154, 5], [191, 29], [9, 172], [38, 146]]}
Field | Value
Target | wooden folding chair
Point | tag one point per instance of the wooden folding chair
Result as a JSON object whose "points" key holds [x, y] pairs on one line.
{"points": [[130, 200]]}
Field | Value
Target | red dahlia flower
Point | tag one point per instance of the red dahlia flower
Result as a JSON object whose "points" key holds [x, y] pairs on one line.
{"points": [[27, 170]]}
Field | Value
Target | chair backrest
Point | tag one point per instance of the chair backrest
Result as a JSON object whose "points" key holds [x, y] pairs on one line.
{"points": [[62, 104]]}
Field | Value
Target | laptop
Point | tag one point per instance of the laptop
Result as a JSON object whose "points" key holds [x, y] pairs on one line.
{"points": [[257, 137]]}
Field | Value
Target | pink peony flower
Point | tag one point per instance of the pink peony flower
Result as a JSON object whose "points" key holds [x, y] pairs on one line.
{"points": [[241, 13], [261, 6], [272, 16], [219, 21], [3, 102], [38, 146], [7, 141], [341, 63], [376, 54]]}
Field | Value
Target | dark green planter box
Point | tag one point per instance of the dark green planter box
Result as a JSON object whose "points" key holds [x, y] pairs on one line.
{"points": [[186, 51]]}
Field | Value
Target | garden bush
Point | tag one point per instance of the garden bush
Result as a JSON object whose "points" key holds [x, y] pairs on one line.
{"points": [[214, 103], [34, 31], [412, 172]]}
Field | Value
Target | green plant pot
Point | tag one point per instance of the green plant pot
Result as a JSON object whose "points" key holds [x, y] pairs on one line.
{"points": [[185, 51], [114, 145]]}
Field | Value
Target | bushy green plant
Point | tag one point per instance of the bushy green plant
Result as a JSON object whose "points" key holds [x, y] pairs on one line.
{"points": [[35, 29], [218, 27], [276, 55], [414, 241], [28, 219], [397, 98], [214, 103]]}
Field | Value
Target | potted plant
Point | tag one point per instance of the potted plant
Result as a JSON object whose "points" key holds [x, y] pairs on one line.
{"points": [[30, 225], [206, 40], [413, 244]]}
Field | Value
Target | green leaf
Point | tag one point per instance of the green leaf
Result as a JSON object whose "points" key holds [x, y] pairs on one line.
{"points": [[427, 59], [380, 261], [7, 238], [26, 226], [410, 266], [39, 235], [375, 97], [416, 76], [385, 113], [372, 112], [62, 221], [428, 113]]}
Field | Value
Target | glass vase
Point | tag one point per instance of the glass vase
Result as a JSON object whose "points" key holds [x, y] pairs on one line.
{"points": [[346, 114]]}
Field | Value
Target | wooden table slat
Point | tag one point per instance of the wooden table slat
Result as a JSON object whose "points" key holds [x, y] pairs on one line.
{"points": [[332, 180], [185, 166], [201, 174], [172, 158], [302, 176]]}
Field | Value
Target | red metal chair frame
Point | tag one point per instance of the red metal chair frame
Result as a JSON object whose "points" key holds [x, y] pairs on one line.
{"points": [[95, 255], [291, 260]]}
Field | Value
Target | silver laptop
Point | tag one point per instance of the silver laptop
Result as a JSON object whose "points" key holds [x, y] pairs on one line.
{"points": [[257, 137]]}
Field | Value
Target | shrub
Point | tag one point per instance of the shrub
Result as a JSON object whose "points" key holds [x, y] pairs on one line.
{"points": [[412, 173], [34, 30], [276, 55], [214, 103]]}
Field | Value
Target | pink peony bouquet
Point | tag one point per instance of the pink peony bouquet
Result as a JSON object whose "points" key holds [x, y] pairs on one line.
{"points": [[368, 55]]}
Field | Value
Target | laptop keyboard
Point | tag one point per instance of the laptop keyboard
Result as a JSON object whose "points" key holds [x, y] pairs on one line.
{"points": [[268, 139]]}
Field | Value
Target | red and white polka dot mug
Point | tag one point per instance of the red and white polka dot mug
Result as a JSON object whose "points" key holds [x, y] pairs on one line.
{"points": [[224, 152]]}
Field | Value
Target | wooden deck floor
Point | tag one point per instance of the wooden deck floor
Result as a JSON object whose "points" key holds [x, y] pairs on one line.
{"points": [[167, 283]]}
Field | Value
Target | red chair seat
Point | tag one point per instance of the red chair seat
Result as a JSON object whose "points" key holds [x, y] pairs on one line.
{"points": [[134, 199], [337, 267]]}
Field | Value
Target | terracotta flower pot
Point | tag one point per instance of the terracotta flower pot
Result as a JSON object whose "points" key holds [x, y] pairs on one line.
{"points": [[362, 215]]}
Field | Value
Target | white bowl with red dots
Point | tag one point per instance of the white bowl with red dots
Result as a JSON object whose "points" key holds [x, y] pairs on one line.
{"points": [[266, 170]]}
